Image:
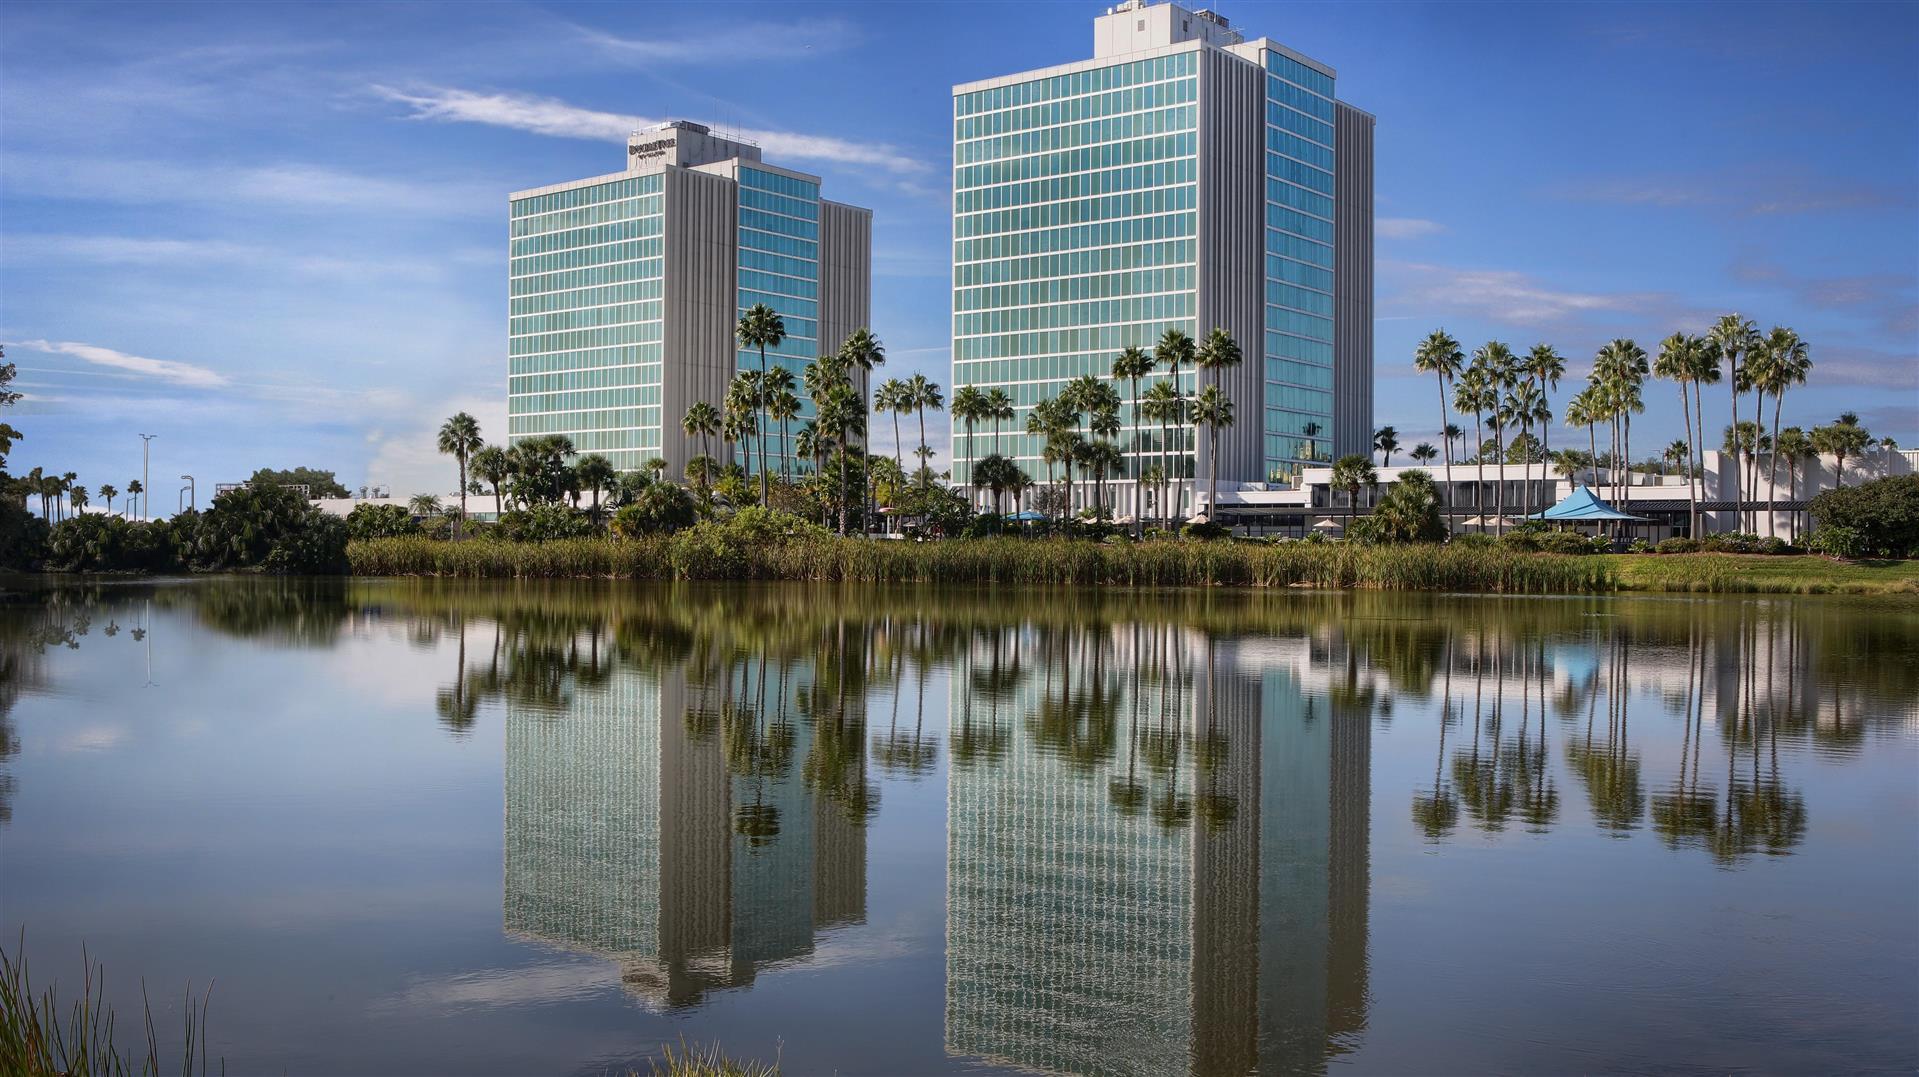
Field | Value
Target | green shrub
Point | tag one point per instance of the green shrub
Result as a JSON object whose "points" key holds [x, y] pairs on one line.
{"points": [[1521, 541], [1834, 540], [1641, 546], [1472, 540], [384, 520], [1408, 512], [710, 551], [1677, 544], [542, 523], [1884, 514], [659, 509], [97, 542], [1205, 532], [270, 527], [317, 549], [1568, 542], [23, 536]]}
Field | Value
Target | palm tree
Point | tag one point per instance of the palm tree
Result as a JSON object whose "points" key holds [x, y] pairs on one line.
{"points": [[702, 420], [894, 396], [1442, 357], [77, 497], [969, 407], [1163, 405], [924, 393], [1583, 410], [999, 408], [1500, 371], [1526, 406], [1132, 364], [595, 473], [1678, 359], [1732, 337], [1626, 367], [1350, 472], [1546, 367], [861, 351], [1214, 411], [842, 418], [424, 505], [109, 491], [1789, 360], [1474, 391], [1042, 421], [1423, 452], [1675, 454], [1842, 438], [491, 466], [761, 327], [1175, 349], [460, 439], [134, 490], [784, 406], [1386, 440], [1796, 446]]}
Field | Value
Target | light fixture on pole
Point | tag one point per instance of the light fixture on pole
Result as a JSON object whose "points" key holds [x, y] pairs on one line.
{"points": [[146, 446], [192, 491]]}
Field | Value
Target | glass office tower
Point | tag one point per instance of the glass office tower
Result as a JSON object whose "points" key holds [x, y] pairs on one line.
{"points": [[625, 290], [1187, 179]]}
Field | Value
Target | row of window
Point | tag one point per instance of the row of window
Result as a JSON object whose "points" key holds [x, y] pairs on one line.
{"points": [[802, 348], [587, 256], [1045, 376], [601, 213], [1300, 273], [788, 307], [1075, 289], [1075, 109], [588, 297], [1282, 245], [1293, 71], [1109, 234], [1066, 315], [1106, 155], [1094, 80], [1072, 137], [1075, 263], [587, 359], [760, 179], [587, 318], [779, 225], [1081, 185], [1299, 123], [643, 333], [569, 422], [1291, 220], [572, 279], [1292, 321], [784, 264], [1285, 168], [1027, 450], [1299, 198], [772, 243], [1317, 401], [630, 187], [757, 281], [1288, 295], [583, 400], [779, 203], [1064, 214], [1304, 100], [611, 377], [1056, 342], [1278, 141], [1294, 353], [591, 235]]}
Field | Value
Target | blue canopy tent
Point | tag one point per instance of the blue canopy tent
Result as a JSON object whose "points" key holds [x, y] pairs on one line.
{"points": [[1583, 506], [1027, 517]]}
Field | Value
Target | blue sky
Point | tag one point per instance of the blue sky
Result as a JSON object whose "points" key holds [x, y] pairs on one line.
{"points": [[275, 234]]}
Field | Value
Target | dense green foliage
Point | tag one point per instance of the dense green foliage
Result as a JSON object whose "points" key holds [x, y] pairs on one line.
{"points": [[1408, 512], [318, 483], [97, 542], [660, 508], [268, 527], [1883, 515], [542, 523], [385, 520]]}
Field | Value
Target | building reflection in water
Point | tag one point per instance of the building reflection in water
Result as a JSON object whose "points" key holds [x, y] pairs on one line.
{"points": [[666, 821], [1164, 868]]}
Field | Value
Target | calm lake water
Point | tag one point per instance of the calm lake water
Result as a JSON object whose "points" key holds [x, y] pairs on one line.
{"points": [[414, 826]]}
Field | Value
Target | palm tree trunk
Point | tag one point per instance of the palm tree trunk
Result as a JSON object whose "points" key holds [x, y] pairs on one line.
{"points": [[1212, 477], [1451, 493], [1692, 503], [1732, 382], [1772, 467], [924, 467], [1139, 489], [759, 413], [1479, 491]]}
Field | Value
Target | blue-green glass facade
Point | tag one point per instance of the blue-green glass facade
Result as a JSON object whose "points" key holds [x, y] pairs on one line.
{"points": [[1299, 265], [1075, 213], [779, 265], [586, 283]]}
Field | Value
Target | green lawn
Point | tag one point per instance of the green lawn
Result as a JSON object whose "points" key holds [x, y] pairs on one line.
{"points": [[1721, 572]]}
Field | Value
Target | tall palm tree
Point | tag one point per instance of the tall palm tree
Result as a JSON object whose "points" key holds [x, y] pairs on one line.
{"points": [[1162, 405], [702, 420], [969, 407], [109, 491], [1174, 350], [761, 327], [1733, 337], [1796, 446], [784, 406], [1442, 357], [1789, 361], [135, 489], [1677, 360], [1584, 409], [999, 408], [1132, 364], [1386, 440], [862, 351], [894, 396], [775, 385], [842, 417], [1423, 452], [1502, 373], [77, 498], [1350, 472], [1621, 367], [491, 466], [1214, 411], [1546, 366], [1841, 438], [1524, 405], [924, 393], [460, 439], [595, 473]]}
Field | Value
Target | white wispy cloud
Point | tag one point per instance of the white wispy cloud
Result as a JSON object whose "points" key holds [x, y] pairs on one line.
{"points": [[1406, 227], [769, 40], [1506, 295], [177, 253], [555, 118], [293, 185], [168, 370]]}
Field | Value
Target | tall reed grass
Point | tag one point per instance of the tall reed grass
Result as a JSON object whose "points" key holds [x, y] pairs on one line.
{"points": [[710, 553], [36, 1040]]}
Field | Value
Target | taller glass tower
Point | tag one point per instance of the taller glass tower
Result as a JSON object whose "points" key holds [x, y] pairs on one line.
{"points": [[625, 290], [1184, 178]]}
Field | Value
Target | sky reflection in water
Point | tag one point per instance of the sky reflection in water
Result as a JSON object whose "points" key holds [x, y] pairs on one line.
{"points": [[418, 826]]}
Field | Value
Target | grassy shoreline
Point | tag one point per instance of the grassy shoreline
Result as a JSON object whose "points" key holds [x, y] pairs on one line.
{"points": [[716, 556]]}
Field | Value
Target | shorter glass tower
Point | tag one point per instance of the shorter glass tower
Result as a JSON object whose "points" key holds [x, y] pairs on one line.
{"points": [[624, 291]]}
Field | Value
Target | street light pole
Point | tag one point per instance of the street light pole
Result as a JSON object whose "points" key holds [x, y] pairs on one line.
{"points": [[146, 446], [193, 492]]}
